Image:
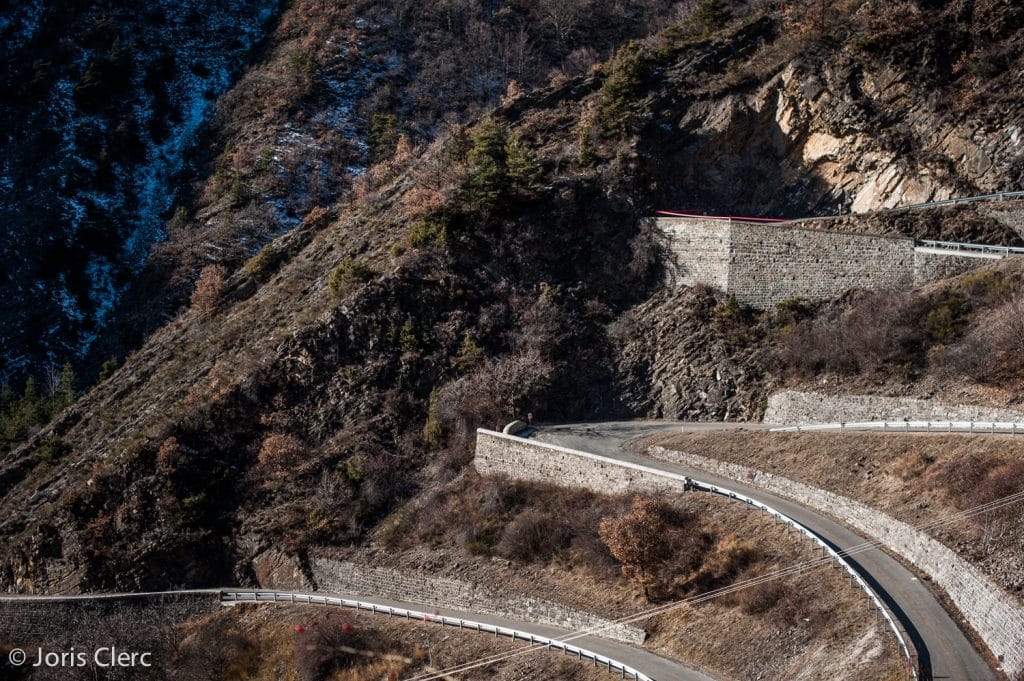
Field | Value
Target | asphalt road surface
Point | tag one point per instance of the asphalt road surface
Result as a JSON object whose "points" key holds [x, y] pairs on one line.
{"points": [[945, 651]]}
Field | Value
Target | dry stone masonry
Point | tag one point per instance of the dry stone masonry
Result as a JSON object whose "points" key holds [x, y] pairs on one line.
{"points": [[363, 580], [26, 620], [763, 264], [792, 407], [522, 459]]}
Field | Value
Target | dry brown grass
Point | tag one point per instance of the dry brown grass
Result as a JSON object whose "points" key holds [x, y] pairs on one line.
{"points": [[915, 478], [274, 643]]}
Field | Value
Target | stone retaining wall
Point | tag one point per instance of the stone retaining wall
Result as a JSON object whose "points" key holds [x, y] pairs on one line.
{"points": [[763, 264], [997, 618], [362, 580], [768, 264], [929, 267], [26, 620], [542, 462], [792, 407], [697, 252]]}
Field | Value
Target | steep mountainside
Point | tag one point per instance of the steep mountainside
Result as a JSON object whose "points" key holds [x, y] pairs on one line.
{"points": [[506, 268], [125, 129], [101, 107]]}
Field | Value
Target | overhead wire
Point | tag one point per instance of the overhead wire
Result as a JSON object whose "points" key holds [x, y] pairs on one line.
{"points": [[723, 591]]}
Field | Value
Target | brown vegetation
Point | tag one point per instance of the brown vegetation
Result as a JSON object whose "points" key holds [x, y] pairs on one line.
{"points": [[915, 478], [209, 288], [280, 451], [640, 540], [969, 328]]}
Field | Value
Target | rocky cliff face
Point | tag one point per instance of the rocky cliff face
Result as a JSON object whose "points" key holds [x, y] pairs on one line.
{"points": [[887, 112]]}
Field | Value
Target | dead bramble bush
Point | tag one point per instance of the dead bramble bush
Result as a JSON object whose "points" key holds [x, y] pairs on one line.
{"points": [[168, 456]]}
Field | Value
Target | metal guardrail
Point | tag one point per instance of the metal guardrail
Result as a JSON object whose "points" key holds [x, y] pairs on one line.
{"points": [[723, 218], [981, 427], [613, 666], [902, 637], [1001, 196], [970, 249]]}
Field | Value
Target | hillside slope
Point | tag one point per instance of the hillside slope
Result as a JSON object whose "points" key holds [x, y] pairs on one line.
{"points": [[102, 105], [502, 269]]}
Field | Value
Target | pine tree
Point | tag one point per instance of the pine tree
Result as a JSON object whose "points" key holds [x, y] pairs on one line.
{"points": [[712, 15], [68, 388], [107, 370], [488, 175], [31, 408], [6, 398], [523, 168], [489, 139]]}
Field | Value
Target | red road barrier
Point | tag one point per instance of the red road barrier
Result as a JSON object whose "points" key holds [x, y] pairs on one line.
{"points": [[717, 217]]}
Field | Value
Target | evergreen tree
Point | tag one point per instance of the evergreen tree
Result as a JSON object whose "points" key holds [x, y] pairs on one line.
{"points": [[31, 407], [6, 399], [488, 174], [523, 168], [107, 370], [489, 139], [712, 15], [68, 388]]}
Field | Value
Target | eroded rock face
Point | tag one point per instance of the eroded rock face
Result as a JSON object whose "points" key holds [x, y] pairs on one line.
{"points": [[833, 135], [675, 363]]}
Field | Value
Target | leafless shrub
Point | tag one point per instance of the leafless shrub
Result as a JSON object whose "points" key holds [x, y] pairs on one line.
{"points": [[978, 479], [774, 599], [880, 329], [1006, 329], [209, 289], [580, 61], [280, 451], [730, 557], [330, 642], [168, 456], [533, 535], [648, 248], [495, 392]]}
